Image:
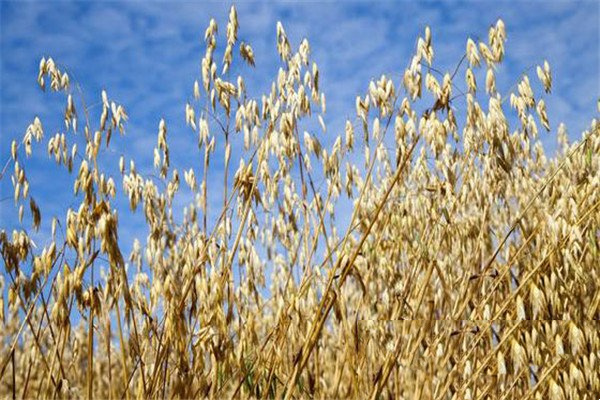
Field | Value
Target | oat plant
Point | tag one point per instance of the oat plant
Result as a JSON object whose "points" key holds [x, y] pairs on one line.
{"points": [[466, 264]]}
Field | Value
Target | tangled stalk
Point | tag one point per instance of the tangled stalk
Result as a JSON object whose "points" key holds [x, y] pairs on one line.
{"points": [[468, 266]]}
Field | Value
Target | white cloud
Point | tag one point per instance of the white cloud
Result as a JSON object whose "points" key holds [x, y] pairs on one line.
{"points": [[147, 56]]}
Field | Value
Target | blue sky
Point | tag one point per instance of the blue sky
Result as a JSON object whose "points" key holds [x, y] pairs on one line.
{"points": [[147, 56]]}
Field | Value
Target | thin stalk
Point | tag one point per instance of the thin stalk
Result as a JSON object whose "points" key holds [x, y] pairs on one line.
{"points": [[90, 383], [123, 354]]}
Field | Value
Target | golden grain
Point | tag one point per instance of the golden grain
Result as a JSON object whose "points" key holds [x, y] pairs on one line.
{"points": [[468, 267]]}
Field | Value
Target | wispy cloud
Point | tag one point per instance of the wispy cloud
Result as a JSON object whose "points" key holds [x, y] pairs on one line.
{"points": [[147, 55]]}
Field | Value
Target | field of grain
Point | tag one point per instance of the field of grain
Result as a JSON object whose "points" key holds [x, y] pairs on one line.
{"points": [[469, 267]]}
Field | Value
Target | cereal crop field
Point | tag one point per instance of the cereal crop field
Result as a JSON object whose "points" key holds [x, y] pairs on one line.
{"points": [[430, 249]]}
